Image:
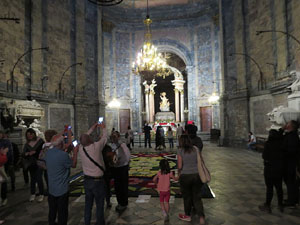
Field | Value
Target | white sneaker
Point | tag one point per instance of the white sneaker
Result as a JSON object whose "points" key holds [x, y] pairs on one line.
{"points": [[40, 198], [32, 197], [4, 202], [2, 221]]}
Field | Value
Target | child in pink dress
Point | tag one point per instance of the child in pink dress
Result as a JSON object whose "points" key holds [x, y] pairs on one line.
{"points": [[162, 179]]}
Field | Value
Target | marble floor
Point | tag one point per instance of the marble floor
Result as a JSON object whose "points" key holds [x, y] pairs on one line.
{"points": [[237, 181]]}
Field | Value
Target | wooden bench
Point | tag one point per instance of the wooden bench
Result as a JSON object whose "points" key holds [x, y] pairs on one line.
{"points": [[260, 144]]}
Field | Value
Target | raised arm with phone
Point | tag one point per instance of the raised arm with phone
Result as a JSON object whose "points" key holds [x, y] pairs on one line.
{"points": [[93, 166]]}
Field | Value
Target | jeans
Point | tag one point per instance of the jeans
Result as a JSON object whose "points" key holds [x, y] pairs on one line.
{"points": [[120, 174], [132, 141], [36, 177], [277, 183], [171, 142], [190, 185], [289, 177], [10, 171], [4, 190], [58, 206], [94, 189], [107, 178], [252, 145], [25, 175], [147, 139]]}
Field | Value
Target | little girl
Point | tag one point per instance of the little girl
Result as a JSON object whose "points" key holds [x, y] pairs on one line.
{"points": [[163, 186]]}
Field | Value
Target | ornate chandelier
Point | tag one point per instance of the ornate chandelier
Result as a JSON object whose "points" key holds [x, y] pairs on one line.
{"points": [[106, 2], [148, 59]]}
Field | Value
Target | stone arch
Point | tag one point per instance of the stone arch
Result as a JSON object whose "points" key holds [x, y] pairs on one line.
{"points": [[173, 46]]}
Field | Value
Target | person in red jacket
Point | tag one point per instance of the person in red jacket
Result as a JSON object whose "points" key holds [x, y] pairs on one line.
{"points": [[4, 145]]}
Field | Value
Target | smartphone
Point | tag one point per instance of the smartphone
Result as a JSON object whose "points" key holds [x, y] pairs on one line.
{"points": [[75, 143], [100, 120]]}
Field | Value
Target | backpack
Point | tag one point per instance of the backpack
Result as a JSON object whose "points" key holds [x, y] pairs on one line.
{"points": [[41, 162], [109, 156]]}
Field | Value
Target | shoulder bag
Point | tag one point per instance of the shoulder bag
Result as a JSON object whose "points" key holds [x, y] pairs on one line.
{"points": [[202, 169], [3, 176], [92, 160]]}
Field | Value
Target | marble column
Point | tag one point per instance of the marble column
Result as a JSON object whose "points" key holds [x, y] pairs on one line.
{"points": [[151, 107], [147, 106], [177, 105], [182, 105]]}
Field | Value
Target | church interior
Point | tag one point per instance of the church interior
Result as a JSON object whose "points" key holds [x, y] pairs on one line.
{"points": [[228, 67]]}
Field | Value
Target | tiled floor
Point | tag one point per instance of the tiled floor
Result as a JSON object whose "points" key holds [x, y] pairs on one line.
{"points": [[237, 181]]}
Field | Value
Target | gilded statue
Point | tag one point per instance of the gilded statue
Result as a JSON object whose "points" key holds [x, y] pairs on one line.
{"points": [[147, 87], [164, 105], [152, 86]]}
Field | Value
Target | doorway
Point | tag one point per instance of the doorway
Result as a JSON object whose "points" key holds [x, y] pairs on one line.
{"points": [[206, 118], [124, 118]]}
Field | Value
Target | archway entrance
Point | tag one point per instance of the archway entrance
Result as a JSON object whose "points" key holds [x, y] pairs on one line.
{"points": [[170, 87]]}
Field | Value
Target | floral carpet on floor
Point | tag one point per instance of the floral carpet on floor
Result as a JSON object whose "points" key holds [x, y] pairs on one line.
{"points": [[143, 167]]}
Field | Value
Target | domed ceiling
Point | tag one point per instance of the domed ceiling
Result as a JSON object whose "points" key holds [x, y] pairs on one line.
{"points": [[132, 11]]}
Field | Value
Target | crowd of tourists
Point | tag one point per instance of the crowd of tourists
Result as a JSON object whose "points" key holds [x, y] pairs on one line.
{"points": [[49, 161], [107, 157]]}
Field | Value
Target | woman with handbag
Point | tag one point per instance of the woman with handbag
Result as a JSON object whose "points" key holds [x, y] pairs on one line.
{"points": [[190, 183], [31, 151], [4, 145]]}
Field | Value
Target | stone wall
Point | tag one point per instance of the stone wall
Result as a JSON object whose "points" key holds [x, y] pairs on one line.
{"points": [[72, 31], [184, 31], [275, 54]]}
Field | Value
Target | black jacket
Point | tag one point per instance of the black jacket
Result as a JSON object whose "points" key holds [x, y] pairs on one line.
{"points": [[291, 146], [273, 157]]}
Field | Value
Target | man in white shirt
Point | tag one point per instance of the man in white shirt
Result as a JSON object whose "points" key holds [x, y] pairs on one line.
{"points": [[252, 141]]}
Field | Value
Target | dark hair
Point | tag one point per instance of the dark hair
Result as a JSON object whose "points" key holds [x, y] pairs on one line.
{"points": [[116, 133], [31, 131], [129, 127], [250, 133], [185, 143], [273, 135], [170, 128], [191, 130], [49, 134], [294, 124], [164, 166], [179, 125], [4, 143]]}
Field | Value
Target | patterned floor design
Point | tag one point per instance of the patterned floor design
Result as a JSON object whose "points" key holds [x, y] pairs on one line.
{"points": [[237, 180], [143, 167]]}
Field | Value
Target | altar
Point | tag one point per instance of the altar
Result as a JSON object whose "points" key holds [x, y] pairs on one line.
{"points": [[165, 115]]}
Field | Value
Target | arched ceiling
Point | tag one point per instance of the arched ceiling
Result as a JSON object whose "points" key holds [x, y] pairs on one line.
{"points": [[134, 11], [157, 3]]}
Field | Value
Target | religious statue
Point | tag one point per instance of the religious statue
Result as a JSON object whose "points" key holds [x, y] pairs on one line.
{"points": [[36, 125], [295, 86], [147, 87], [164, 105], [152, 86]]}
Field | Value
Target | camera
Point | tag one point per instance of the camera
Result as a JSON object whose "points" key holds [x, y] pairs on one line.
{"points": [[75, 143], [100, 121]]}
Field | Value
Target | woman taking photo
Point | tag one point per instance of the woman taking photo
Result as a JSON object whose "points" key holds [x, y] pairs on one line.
{"points": [[31, 153], [190, 183]]}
